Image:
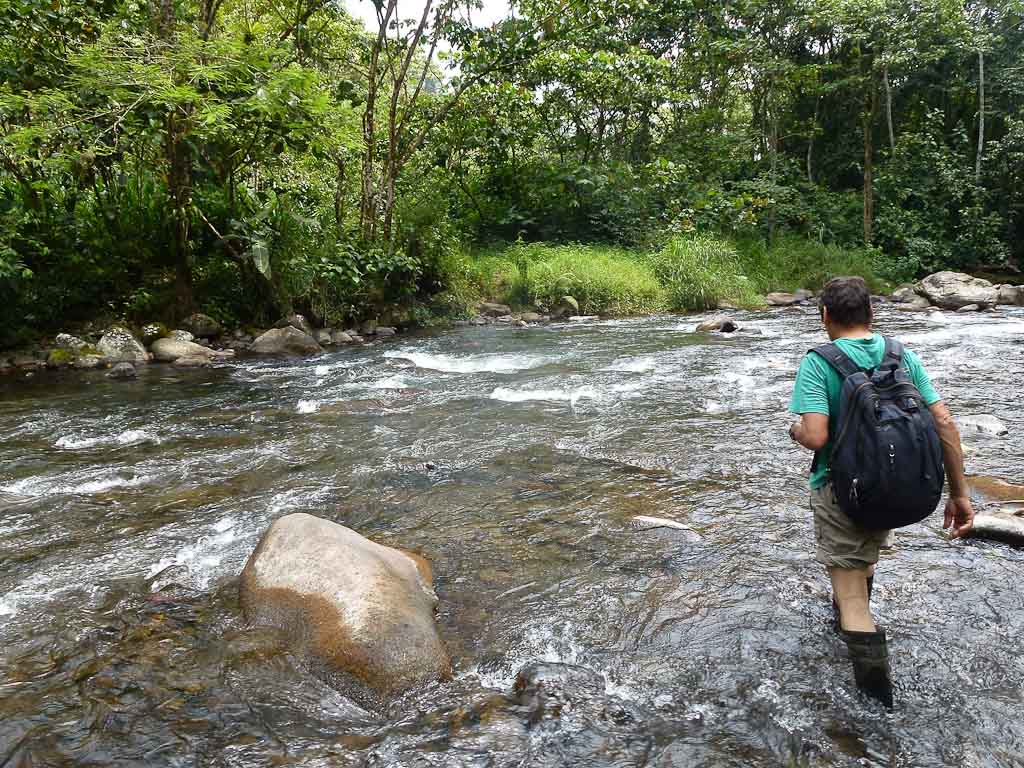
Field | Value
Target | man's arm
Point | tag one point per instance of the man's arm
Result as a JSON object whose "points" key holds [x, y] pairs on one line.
{"points": [[811, 431], [959, 511]]}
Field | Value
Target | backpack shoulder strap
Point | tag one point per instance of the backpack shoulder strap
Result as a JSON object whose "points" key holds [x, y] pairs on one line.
{"points": [[893, 353], [838, 359]]}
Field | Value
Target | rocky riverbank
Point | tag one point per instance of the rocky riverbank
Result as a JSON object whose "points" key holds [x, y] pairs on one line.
{"points": [[200, 340]]}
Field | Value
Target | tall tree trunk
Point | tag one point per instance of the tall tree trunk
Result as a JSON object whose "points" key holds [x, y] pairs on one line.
{"points": [[773, 149], [810, 142], [179, 179], [981, 117], [869, 152], [888, 109]]}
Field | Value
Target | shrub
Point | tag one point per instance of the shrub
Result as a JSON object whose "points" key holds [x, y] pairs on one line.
{"points": [[699, 271], [792, 262]]}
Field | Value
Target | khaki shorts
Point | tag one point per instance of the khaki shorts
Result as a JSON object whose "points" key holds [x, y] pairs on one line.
{"points": [[841, 543]]}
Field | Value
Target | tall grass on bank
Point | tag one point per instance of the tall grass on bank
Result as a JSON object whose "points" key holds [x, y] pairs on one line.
{"points": [[603, 279], [701, 272], [793, 262], [688, 273]]}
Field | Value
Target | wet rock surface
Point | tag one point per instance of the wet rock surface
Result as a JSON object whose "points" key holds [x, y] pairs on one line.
{"points": [[360, 613], [286, 342]]}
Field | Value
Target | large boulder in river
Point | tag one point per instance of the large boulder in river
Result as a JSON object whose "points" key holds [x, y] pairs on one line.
{"points": [[169, 350], [287, 341], [952, 290], [299, 322], [118, 345], [359, 613], [202, 326], [1010, 294]]}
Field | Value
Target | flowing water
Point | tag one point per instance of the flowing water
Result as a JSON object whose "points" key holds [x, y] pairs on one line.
{"points": [[516, 461]]}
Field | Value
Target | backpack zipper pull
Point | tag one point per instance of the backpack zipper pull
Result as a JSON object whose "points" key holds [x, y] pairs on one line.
{"points": [[892, 456]]}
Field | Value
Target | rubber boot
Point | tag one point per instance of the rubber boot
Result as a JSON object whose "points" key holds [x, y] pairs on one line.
{"points": [[869, 653]]}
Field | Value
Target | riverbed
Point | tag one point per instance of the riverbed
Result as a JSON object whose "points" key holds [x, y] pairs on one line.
{"points": [[515, 460]]}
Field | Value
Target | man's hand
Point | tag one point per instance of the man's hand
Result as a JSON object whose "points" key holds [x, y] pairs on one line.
{"points": [[793, 430], [959, 516]]}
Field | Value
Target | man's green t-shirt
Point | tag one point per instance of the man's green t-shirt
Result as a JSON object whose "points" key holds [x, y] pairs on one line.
{"points": [[818, 386]]}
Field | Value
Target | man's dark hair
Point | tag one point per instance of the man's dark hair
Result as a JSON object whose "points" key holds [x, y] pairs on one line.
{"points": [[848, 301]]}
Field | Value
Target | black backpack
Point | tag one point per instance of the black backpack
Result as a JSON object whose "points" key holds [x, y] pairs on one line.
{"points": [[886, 463]]}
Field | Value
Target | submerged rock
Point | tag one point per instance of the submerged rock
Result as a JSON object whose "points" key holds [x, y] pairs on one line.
{"points": [[531, 317], [87, 362], [361, 614], [986, 424], [122, 371], [722, 323], [952, 290], [386, 331], [968, 308], [995, 488], [340, 337], [286, 341], [118, 345]]}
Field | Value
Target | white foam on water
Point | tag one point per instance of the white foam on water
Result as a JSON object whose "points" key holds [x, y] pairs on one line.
{"points": [[50, 486], [470, 363], [572, 396], [742, 380], [539, 644], [391, 382], [968, 331], [202, 556], [633, 365], [713, 406], [307, 406], [127, 437]]}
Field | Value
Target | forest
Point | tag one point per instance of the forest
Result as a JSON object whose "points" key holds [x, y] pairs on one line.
{"points": [[252, 159]]}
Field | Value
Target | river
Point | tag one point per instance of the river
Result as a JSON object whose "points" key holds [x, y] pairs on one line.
{"points": [[515, 459]]}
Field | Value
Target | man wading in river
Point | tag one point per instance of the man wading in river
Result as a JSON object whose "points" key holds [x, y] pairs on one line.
{"points": [[875, 422]]}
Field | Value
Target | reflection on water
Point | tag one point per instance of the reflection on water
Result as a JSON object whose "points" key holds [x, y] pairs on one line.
{"points": [[516, 460]]}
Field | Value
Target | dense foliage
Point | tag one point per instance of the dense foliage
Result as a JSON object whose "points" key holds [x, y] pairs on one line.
{"points": [[249, 159]]}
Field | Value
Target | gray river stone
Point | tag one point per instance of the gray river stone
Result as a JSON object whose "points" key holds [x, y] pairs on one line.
{"points": [[1004, 523], [361, 614], [169, 350], [119, 345], [287, 341], [953, 290]]}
